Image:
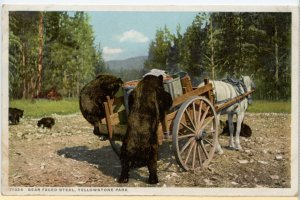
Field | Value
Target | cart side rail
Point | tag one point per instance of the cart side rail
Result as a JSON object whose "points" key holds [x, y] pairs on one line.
{"points": [[219, 107], [200, 91]]}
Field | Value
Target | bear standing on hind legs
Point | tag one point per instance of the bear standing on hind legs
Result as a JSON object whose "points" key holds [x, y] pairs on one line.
{"points": [[148, 103]]}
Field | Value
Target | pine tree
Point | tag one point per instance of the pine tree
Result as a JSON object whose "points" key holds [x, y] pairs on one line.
{"points": [[51, 49], [159, 50], [24, 26], [194, 45]]}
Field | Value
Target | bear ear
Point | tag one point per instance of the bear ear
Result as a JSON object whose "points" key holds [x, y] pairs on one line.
{"points": [[161, 78]]}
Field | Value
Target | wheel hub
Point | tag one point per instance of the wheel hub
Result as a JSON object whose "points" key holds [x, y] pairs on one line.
{"points": [[201, 135]]}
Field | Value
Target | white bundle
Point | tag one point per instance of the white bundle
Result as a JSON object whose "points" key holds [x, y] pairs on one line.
{"points": [[156, 72]]}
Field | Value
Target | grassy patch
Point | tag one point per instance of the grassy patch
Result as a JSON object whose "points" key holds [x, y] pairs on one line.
{"points": [[260, 106], [43, 107]]}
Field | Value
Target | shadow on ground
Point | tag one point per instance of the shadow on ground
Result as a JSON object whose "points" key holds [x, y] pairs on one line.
{"points": [[108, 162]]}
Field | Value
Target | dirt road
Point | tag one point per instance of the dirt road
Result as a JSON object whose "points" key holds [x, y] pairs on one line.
{"points": [[70, 155]]}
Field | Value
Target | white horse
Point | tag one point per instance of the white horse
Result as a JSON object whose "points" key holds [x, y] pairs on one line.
{"points": [[223, 92]]}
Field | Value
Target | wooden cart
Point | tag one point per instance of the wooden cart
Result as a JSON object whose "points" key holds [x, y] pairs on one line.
{"points": [[191, 122]]}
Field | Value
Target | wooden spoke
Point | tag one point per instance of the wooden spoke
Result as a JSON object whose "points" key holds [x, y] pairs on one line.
{"points": [[209, 121], [199, 115], [189, 152], [211, 131], [194, 114], [187, 113], [199, 155], [204, 116], [208, 142], [184, 125], [203, 149], [194, 155], [186, 145], [185, 136]]}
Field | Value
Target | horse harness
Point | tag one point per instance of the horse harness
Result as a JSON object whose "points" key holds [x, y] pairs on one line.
{"points": [[238, 85]]}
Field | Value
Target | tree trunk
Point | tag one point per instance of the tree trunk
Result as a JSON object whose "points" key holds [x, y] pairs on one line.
{"points": [[276, 63], [240, 46], [78, 85], [40, 56], [276, 55], [212, 51], [32, 87], [24, 71]]}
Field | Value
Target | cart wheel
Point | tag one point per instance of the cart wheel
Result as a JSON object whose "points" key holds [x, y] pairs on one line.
{"points": [[195, 133]]}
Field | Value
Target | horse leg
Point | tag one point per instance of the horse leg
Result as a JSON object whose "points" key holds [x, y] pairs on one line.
{"points": [[219, 150], [230, 125], [240, 118]]}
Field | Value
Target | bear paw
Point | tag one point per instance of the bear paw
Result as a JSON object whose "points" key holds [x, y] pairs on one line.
{"points": [[123, 180], [153, 180]]}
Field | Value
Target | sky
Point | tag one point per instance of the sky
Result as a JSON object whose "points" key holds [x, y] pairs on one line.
{"points": [[128, 34]]}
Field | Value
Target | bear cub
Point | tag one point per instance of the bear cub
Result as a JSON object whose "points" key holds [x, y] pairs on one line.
{"points": [[47, 122], [245, 129], [14, 115]]}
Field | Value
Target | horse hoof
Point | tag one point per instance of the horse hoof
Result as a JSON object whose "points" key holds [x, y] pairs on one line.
{"points": [[239, 148], [219, 151], [231, 146]]}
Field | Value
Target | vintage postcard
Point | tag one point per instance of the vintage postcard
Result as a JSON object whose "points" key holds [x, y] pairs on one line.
{"points": [[175, 100]]}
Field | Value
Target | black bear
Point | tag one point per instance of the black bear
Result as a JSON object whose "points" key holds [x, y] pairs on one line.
{"points": [[148, 103], [14, 115], [245, 129], [47, 122], [92, 96]]}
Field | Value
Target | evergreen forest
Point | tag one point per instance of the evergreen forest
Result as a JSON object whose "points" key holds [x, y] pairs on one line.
{"points": [[57, 50]]}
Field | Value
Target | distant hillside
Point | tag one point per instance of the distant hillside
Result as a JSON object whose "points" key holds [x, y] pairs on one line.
{"points": [[130, 63]]}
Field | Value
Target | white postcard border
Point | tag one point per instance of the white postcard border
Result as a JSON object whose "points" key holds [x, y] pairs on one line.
{"points": [[6, 190]]}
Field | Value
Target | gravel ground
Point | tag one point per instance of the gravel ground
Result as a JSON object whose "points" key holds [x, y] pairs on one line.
{"points": [[70, 155]]}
